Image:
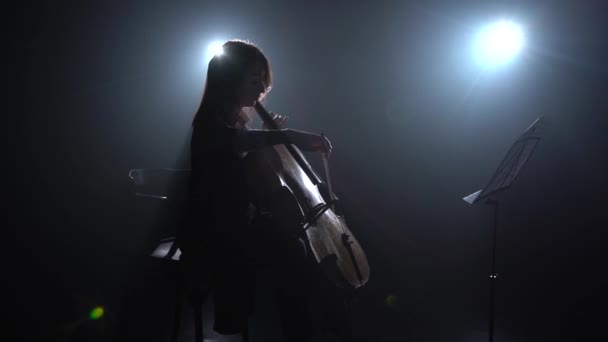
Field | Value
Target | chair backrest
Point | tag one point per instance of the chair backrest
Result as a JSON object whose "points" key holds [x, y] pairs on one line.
{"points": [[159, 183]]}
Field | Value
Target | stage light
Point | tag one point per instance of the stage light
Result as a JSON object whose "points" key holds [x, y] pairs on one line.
{"points": [[498, 43], [213, 49]]}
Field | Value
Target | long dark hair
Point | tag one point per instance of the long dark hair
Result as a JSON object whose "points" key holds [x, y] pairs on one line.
{"points": [[224, 74]]}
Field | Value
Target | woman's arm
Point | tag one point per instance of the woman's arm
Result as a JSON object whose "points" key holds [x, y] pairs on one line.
{"points": [[259, 138]]}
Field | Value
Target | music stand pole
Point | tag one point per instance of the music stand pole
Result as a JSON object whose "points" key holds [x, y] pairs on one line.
{"points": [[519, 153], [493, 274]]}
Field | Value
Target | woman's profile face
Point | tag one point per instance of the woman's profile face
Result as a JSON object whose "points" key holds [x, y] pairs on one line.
{"points": [[252, 86]]}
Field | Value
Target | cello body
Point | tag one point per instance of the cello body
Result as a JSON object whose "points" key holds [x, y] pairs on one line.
{"points": [[282, 182]]}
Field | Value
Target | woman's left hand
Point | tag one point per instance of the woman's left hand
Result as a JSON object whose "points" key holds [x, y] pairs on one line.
{"points": [[280, 121]]}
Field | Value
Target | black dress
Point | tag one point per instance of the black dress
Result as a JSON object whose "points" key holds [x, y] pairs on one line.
{"points": [[217, 232], [225, 236]]}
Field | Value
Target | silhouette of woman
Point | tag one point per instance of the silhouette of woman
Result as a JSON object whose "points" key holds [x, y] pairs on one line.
{"points": [[223, 231]]}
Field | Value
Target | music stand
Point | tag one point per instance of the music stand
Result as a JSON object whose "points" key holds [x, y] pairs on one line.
{"points": [[519, 153]]}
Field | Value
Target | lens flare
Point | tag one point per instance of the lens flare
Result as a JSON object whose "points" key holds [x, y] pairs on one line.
{"points": [[96, 313], [391, 300]]}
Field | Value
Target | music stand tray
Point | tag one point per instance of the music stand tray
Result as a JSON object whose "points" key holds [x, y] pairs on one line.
{"points": [[519, 153]]}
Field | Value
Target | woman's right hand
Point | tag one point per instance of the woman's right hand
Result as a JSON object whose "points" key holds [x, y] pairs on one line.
{"points": [[310, 142]]}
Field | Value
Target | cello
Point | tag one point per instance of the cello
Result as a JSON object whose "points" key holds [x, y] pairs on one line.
{"points": [[283, 182]]}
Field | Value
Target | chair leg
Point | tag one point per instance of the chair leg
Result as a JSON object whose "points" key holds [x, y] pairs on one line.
{"points": [[246, 334], [198, 319], [177, 316]]}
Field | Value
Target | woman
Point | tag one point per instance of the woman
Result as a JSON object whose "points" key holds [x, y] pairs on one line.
{"points": [[219, 233]]}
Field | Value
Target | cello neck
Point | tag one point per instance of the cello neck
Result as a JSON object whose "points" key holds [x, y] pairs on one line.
{"points": [[295, 153]]}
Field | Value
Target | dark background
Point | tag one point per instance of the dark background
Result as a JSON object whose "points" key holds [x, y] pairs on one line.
{"points": [[104, 87]]}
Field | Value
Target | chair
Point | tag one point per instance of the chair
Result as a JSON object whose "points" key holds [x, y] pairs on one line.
{"points": [[165, 185], [169, 186]]}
